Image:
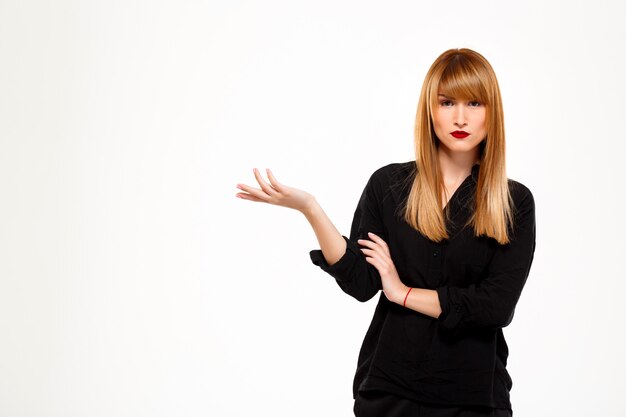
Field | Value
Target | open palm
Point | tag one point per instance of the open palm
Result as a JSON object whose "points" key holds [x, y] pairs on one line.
{"points": [[275, 193]]}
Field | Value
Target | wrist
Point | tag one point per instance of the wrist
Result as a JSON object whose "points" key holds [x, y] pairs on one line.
{"points": [[403, 295], [310, 208]]}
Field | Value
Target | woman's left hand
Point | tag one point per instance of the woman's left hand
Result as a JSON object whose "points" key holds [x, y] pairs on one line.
{"points": [[378, 255]]}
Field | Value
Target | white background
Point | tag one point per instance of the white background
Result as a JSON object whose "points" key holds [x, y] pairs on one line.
{"points": [[134, 283]]}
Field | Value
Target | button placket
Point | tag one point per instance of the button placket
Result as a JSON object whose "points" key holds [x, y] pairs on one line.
{"points": [[435, 268], [437, 265]]}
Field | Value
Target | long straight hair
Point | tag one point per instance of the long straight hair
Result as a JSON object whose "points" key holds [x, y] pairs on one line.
{"points": [[462, 74]]}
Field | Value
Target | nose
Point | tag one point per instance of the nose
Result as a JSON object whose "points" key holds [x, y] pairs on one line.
{"points": [[459, 116]]}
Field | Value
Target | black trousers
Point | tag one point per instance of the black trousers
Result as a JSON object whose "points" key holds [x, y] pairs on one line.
{"points": [[383, 404]]}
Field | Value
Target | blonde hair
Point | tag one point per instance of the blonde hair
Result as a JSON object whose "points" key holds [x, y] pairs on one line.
{"points": [[462, 74]]}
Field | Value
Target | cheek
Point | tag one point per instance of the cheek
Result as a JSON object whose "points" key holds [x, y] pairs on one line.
{"points": [[483, 119], [438, 115], [437, 121]]}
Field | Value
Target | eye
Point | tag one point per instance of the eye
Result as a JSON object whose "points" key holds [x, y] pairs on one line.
{"points": [[474, 103], [445, 103]]}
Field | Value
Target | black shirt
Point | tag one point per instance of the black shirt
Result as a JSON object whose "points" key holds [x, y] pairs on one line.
{"points": [[460, 357]]}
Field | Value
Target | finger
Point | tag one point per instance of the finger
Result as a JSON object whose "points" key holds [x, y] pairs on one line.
{"points": [[250, 197], [379, 240], [264, 185], [376, 238], [382, 265], [367, 243], [277, 186], [255, 192], [381, 258], [373, 261], [384, 260], [379, 265], [369, 252], [375, 246]]}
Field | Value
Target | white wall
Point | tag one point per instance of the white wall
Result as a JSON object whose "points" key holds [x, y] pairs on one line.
{"points": [[134, 283]]}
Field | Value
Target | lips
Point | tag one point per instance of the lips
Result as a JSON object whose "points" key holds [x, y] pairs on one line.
{"points": [[460, 134]]}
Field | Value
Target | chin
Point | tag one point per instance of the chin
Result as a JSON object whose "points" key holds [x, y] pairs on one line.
{"points": [[462, 147]]}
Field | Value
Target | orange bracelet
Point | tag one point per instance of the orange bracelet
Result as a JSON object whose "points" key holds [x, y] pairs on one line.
{"points": [[406, 296]]}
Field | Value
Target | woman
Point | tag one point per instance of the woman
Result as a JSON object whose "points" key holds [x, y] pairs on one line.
{"points": [[449, 240]]}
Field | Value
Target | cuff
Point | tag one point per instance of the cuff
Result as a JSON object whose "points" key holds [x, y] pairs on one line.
{"points": [[450, 313], [339, 270]]}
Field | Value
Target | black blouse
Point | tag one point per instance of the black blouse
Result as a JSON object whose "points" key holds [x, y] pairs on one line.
{"points": [[460, 357]]}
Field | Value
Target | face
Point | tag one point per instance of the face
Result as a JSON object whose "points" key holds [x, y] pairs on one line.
{"points": [[452, 116]]}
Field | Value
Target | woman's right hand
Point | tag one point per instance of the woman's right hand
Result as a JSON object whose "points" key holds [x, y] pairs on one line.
{"points": [[276, 193]]}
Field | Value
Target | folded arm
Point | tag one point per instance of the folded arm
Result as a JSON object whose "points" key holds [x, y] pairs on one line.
{"points": [[491, 302]]}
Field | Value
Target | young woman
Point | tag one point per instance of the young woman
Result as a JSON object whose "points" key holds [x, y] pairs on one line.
{"points": [[449, 240]]}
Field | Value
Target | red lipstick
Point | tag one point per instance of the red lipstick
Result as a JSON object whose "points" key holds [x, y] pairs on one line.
{"points": [[460, 134]]}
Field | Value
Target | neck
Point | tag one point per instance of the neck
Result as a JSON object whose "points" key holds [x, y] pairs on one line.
{"points": [[456, 165]]}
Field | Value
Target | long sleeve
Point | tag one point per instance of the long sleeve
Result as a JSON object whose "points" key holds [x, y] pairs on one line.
{"points": [[491, 302], [357, 277]]}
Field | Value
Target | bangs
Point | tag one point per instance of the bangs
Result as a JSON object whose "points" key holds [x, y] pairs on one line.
{"points": [[462, 80]]}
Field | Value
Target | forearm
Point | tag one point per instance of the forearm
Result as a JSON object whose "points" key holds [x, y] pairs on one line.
{"points": [[423, 301], [331, 242]]}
